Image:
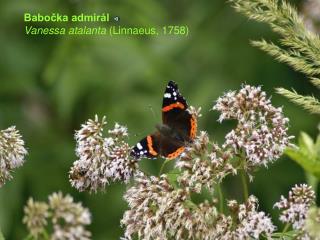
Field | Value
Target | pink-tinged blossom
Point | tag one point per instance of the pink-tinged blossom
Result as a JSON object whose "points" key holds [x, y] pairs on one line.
{"points": [[12, 152], [158, 211], [261, 133], [203, 164], [59, 219], [101, 159], [294, 209], [245, 222]]}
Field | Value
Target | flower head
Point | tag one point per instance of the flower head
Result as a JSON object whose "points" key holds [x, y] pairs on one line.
{"points": [[245, 222], [261, 133], [203, 164], [67, 218], [158, 211], [295, 207], [312, 225], [36, 214], [12, 152], [101, 159]]}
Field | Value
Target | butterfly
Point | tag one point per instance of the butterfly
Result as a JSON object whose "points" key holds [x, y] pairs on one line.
{"points": [[178, 128]]}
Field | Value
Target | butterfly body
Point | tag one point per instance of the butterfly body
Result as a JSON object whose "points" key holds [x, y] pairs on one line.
{"points": [[177, 129], [171, 133]]}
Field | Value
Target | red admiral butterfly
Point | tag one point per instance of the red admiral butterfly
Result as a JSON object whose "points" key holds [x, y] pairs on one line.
{"points": [[178, 128]]}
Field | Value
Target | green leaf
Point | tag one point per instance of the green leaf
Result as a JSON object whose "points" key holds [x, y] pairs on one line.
{"points": [[190, 204], [1, 236], [173, 177], [306, 143], [307, 155], [317, 146], [312, 181], [285, 236]]}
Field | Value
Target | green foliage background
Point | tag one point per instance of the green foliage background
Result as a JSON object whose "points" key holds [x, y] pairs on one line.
{"points": [[50, 85]]}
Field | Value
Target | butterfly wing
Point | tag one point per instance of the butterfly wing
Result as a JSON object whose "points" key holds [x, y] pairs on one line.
{"points": [[170, 148], [175, 113], [146, 147], [172, 99], [155, 145]]}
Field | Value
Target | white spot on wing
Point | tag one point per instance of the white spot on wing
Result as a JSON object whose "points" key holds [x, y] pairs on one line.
{"points": [[139, 146], [174, 94], [167, 95]]}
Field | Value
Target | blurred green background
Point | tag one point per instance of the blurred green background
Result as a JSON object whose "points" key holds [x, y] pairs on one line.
{"points": [[51, 84]]}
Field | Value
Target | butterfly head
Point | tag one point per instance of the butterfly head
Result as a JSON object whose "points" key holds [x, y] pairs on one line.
{"points": [[164, 129]]}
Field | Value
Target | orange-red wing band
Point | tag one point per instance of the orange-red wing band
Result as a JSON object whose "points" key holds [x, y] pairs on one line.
{"points": [[193, 130], [175, 153], [150, 146], [173, 105]]}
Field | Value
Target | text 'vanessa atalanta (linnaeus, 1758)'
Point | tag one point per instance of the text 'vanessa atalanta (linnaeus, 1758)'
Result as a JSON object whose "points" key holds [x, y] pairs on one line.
{"points": [[178, 128]]}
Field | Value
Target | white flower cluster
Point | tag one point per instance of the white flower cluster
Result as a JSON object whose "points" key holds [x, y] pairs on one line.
{"points": [[36, 214], [12, 152], [158, 211], [203, 164], [295, 207], [261, 133], [312, 226], [68, 218], [101, 159], [245, 222]]}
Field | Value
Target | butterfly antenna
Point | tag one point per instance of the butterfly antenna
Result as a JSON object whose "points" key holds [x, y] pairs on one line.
{"points": [[153, 113]]}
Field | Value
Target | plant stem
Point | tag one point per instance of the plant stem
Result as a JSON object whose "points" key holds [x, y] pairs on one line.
{"points": [[286, 227], [1, 236], [163, 165], [244, 185], [29, 237], [45, 235], [220, 194]]}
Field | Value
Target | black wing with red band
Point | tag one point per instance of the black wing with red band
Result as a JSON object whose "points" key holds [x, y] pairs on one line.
{"points": [[175, 113], [172, 99], [145, 148]]}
